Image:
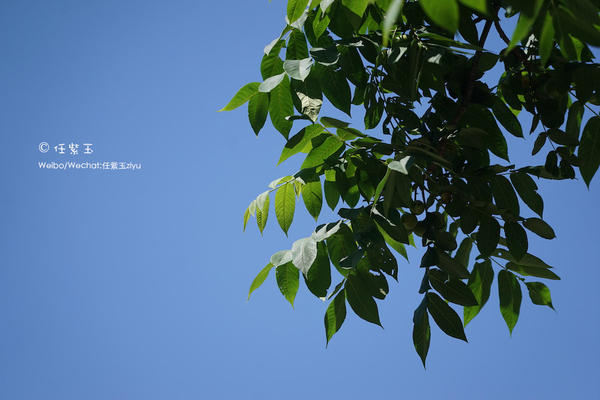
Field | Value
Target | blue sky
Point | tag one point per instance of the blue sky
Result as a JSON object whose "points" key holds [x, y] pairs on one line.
{"points": [[132, 284]]}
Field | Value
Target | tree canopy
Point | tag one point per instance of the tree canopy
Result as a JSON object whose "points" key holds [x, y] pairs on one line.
{"points": [[431, 166]]}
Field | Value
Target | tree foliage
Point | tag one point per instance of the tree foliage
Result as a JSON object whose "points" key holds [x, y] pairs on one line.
{"points": [[435, 170]]}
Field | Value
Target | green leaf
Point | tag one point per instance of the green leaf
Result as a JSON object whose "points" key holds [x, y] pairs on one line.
{"points": [[526, 188], [524, 25], [480, 283], [380, 186], [421, 330], [546, 39], [528, 260], [477, 5], [506, 117], [262, 210], [393, 11], [443, 13], [445, 317], [318, 277], [285, 205], [320, 153], [516, 239], [332, 194], [539, 227], [335, 87], [299, 141], [451, 266], [361, 301], [251, 210], [464, 252], [453, 290], [335, 315], [298, 69], [358, 7], [312, 196], [304, 253], [296, 46], [242, 96], [288, 281], [539, 294], [402, 166], [504, 195], [488, 236], [281, 106], [295, 9], [260, 278], [258, 108], [589, 150], [510, 295], [532, 271]]}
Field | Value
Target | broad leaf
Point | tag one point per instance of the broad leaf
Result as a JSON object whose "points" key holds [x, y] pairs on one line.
{"points": [[480, 283], [443, 13], [281, 106], [304, 253], [318, 277], [361, 301], [258, 108], [516, 239], [539, 294], [539, 227], [312, 195], [319, 154], [421, 330], [589, 150], [445, 317], [288, 281], [285, 205], [335, 315], [510, 295], [298, 69], [262, 210], [488, 236], [526, 188], [295, 9], [504, 195]]}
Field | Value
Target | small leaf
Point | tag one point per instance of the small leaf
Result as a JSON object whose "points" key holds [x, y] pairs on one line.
{"points": [[285, 205], [442, 12], [402, 166], [516, 239], [359, 298], [539, 227], [262, 210], [242, 96], [335, 315], [488, 236], [589, 150], [304, 253], [509, 291], [445, 317], [260, 278], [288, 281], [421, 330], [539, 294]]}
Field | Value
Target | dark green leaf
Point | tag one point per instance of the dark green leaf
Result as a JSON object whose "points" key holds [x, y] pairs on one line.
{"points": [[516, 239], [359, 298], [445, 317], [526, 21], [341, 244], [288, 281], [318, 277], [504, 195], [508, 120], [335, 87], [281, 106], [295, 9], [532, 271], [260, 278], [526, 188], [539, 227], [320, 153], [488, 236], [335, 315], [300, 141], [546, 39], [258, 108], [589, 150], [480, 283], [421, 330], [510, 295], [464, 252], [539, 294]]}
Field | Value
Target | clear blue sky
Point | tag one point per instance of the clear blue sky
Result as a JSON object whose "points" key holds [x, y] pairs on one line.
{"points": [[133, 284]]}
